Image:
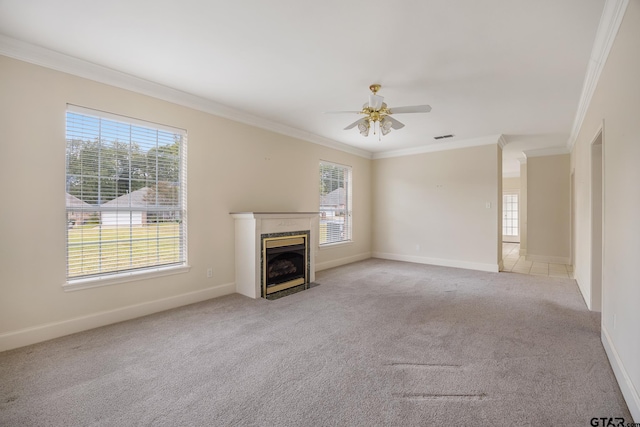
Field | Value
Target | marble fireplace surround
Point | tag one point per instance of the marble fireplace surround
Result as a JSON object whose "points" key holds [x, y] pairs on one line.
{"points": [[249, 228]]}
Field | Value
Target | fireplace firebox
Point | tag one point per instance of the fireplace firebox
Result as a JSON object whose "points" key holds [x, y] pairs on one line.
{"points": [[284, 262]]}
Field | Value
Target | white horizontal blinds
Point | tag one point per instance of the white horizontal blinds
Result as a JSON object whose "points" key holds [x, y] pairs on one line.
{"points": [[335, 203], [126, 195]]}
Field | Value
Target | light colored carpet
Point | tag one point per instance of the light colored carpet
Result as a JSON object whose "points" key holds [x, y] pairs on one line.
{"points": [[376, 343]]}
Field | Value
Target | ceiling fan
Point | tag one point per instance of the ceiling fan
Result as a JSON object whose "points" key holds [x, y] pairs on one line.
{"points": [[377, 114]]}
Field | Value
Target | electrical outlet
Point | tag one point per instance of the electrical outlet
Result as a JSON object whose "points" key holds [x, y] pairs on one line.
{"points": [[209, 272]]}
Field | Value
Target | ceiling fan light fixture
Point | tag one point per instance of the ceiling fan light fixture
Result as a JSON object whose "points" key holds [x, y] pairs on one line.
{"points": [[385, 126], [364, 128]]}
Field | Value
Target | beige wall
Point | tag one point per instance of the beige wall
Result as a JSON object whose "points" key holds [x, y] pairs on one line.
{"points": [[231, 167], [511, 184], [548, 209], [616, 105], [431, 207]]}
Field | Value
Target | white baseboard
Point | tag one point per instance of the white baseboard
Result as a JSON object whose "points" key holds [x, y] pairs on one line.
{"points": [[548, 259], [35, 334], [494, 268], [342, 261], [629, 392]]}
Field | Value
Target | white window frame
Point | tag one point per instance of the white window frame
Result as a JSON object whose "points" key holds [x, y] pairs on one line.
{"points": [[344, 221], [513, 238], [179, 210]]}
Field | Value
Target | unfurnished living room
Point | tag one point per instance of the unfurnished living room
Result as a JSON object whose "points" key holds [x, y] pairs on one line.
{"points": [[290, 213]]}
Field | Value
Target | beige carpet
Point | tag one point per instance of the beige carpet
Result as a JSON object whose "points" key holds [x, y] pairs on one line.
{"points": [[376, 343]]}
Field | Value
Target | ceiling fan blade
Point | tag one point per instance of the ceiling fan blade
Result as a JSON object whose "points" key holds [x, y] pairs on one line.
{"points": [[411, 109], [394, 123], [375, 102], [356, 123], [342, 112]]}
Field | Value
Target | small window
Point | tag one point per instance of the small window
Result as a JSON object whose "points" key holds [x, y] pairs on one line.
{"points": [[125, 196], [335, 203], [510, 225]]}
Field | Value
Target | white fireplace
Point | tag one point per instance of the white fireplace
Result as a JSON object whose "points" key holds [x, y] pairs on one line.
{"points": [[257, 233]]}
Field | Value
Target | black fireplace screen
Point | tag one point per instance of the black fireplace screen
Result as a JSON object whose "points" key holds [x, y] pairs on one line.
{"points": [[284, 263]]}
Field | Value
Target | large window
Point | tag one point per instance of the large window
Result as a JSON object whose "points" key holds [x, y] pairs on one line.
{"points": [[335, 203], [125, 196]]}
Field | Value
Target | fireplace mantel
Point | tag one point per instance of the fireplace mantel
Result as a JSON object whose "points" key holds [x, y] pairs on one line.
{"points": [[249, 228]]}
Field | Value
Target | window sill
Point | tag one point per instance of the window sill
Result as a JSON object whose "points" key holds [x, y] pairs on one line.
{"points": [[95, 282], [335, 245]]}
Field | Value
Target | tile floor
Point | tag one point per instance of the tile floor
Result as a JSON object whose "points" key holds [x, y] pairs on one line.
{"points": [[515, 263]]}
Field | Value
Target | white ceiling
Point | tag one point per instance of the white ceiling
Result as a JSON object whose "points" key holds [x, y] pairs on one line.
{"points": [[490, 67]]}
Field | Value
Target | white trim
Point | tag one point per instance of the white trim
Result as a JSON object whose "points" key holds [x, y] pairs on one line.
{"points": [[493, 268], [581, 288], [514, 174], [47, 331], [572, 215], [124, 277], [440, 146], [332, 245], [599, 134], [523, 159], [605, 36], [522, 252], [342, 261], [631, 395], [549, 151], [502, 141], [549, 259], [38, 55], [508, 238]]}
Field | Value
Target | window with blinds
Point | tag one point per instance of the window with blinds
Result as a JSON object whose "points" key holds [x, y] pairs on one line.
{"points": [[335, 203], [125, 196]]}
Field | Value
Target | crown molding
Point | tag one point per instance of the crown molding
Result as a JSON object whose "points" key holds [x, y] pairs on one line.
{"points": [[523, 159], [502, 141], [610, 21], [38, 55], [541, 152], [440, 146]]}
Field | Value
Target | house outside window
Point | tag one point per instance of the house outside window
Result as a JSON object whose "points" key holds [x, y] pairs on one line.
{"points": [[335, 203], [125, 197]]}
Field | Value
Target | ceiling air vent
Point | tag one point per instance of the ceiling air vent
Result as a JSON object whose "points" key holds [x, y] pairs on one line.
{"points": [[443, 136]]}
